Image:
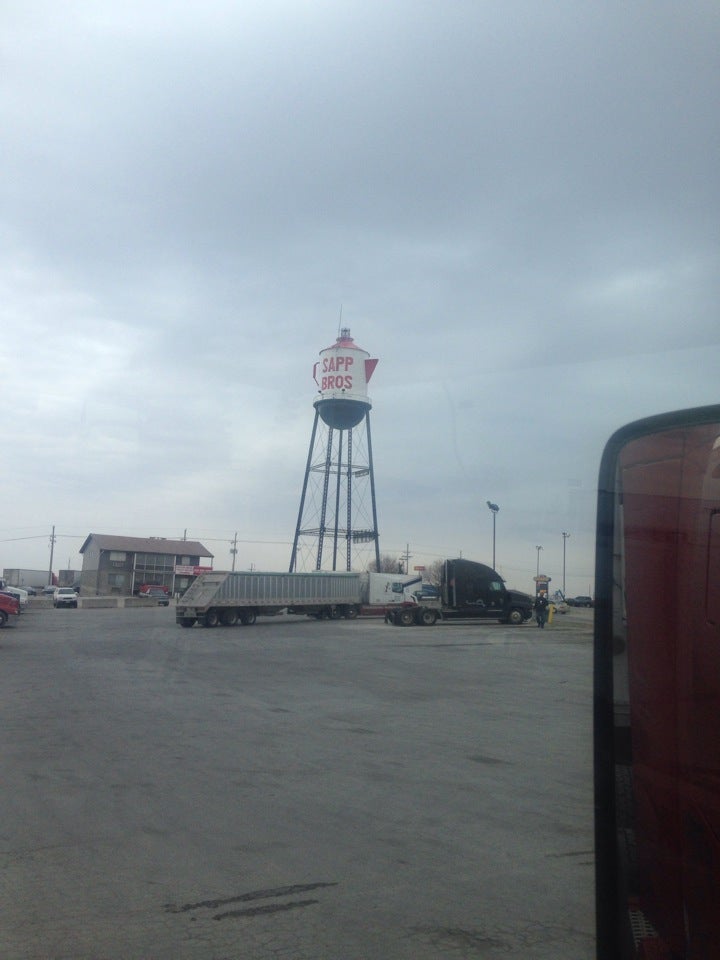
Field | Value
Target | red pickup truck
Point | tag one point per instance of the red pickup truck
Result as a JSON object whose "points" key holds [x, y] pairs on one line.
{"points": [[8, 606]]}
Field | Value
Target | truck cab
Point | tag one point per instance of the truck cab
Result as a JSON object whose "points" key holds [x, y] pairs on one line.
{"points": [[470, 589]]}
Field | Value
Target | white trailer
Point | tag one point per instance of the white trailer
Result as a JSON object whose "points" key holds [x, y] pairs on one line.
{"points": [[18, 577], [231, 598]]}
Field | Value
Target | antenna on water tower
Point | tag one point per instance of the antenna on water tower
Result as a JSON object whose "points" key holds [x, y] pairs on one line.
{"points": [[337, 519]]}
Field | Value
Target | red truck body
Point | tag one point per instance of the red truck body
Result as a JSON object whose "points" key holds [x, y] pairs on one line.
{"points": [[670, 537], [9, 606]]}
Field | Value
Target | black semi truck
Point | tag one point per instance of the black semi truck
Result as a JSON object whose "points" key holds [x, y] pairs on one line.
{"points": [[468, 590]]}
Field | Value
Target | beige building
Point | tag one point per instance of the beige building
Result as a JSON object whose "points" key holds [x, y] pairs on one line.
{"points": [[121, 565]]}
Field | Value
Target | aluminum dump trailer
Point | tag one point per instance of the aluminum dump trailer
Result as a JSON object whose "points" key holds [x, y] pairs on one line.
{"points": [[231, 598]]}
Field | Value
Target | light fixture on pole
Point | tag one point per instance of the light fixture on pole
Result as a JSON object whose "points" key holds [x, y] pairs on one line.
{"points": [[493, 507], [537, 570], [565, 537]]}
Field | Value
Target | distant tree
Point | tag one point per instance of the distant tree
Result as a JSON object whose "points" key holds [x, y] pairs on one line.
{"points": [[433, 573], [388, 564]]}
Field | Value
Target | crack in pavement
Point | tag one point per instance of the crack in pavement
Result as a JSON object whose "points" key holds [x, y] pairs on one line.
{"points": [[267, 908], [271, 893]]}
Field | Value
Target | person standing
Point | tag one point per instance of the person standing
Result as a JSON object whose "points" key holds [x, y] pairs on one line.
{"points": [[541, 610]]}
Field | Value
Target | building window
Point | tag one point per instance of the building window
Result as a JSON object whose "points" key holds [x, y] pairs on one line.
{"points": [[154, 568], [116, 555]]}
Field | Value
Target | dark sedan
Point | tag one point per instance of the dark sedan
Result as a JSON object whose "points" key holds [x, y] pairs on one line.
{"points": [[159, 594], [580, 601]]}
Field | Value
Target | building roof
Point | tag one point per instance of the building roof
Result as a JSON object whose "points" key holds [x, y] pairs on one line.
{"points": [[178, 548]]}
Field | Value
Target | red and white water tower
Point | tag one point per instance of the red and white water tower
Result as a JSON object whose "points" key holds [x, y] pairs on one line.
{"points": [[337, 520]]}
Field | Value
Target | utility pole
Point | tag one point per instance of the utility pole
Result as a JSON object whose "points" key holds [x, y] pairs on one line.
{"points": [[406, 557], [233, 550], [537, 571], [565, 538], [493, 507], [52, 551]]}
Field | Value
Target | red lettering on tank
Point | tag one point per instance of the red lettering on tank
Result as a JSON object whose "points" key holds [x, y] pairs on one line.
{"points": [[336, 383]]}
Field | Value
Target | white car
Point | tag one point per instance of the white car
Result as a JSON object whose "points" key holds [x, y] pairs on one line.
{"points": [[19, 593], [65, 597]]}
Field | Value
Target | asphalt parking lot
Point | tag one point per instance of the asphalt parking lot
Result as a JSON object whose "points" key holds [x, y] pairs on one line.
{"points": [[295, 789]]}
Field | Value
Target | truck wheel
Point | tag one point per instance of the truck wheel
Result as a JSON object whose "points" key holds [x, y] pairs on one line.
{"points": [[427, 618], [187, 621], [248, 618], [3, 618], [211, 618], [515, 617], [406, 618], [228, 618], [352, 612]]}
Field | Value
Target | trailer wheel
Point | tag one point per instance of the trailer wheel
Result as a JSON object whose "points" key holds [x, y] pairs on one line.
{"points": [[515, 617], [248, 617], [334, 613], [187, 621], [406, 618], [211, 618], [352, 612], [427, 618], [228, 618]]}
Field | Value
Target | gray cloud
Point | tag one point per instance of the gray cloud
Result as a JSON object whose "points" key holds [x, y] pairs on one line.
{"points": [[515, 205]]}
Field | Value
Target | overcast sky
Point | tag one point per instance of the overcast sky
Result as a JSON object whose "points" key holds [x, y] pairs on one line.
{"points": [[515, 205]]}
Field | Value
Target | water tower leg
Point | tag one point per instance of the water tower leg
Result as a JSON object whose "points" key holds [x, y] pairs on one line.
{"points": [[348, 518], [338, 478], [293, 555], [323, 509], [372, 490]]}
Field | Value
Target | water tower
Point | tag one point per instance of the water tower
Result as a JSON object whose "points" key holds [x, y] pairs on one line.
{"points": [[337, 521]]}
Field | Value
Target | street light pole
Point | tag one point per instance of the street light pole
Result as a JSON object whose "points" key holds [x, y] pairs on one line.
{"points": [[537, 570], [493, 507], [565, 537]]}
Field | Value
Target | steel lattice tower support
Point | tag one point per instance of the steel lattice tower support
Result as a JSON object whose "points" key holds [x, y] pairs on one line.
{"points": [[337, 520]]}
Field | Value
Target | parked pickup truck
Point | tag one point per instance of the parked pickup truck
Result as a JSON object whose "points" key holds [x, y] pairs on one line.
{"points": [[65, 597], [9, 607]]}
